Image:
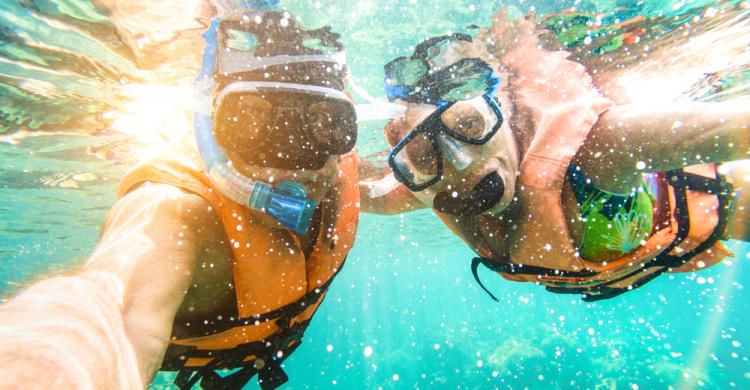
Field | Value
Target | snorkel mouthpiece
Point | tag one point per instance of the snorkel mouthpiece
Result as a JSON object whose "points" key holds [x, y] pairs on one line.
{"points": [[485, 195], [287, 202]]}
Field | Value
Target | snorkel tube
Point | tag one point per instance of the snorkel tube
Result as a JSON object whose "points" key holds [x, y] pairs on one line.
{"points": [[287, 202]]}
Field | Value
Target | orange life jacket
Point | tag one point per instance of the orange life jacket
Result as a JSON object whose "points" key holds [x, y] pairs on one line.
{"points": [[690, 216], [277, 289], [557, 97]]}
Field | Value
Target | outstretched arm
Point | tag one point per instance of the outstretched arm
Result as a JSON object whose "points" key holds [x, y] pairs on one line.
{"points": [[109, 325], [152, 241], [631, 139]]}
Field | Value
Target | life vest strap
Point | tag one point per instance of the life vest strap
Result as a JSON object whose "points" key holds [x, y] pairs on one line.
{"points": [[681, 182], [723, 191], [270, 375], [209, 379], [272, 352], [603, 292], [511, 268]]}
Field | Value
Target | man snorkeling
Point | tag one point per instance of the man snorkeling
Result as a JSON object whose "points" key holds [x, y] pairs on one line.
{"points": [[218, 266], [551, 182]]}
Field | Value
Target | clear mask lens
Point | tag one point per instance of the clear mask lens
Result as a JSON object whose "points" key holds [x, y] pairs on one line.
{"points": [[419, 171], [472, 119]]}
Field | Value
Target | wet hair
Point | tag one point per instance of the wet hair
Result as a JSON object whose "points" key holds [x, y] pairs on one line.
{"points": [[280, 34]]}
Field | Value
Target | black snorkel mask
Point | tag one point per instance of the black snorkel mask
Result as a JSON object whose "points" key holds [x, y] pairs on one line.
{"points": [[233, 56], [435, 141], [437, 74], [285, 125], [281, 110], [432, 141]]}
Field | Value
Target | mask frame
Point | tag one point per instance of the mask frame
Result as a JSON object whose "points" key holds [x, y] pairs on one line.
{"points": [[432, 127]]}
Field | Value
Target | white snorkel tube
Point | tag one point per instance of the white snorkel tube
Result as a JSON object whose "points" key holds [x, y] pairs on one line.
{"points": [[287, 201], [375, 110]]}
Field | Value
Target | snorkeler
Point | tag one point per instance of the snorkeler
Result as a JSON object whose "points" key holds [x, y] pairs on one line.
{"points": [[220, 265], [548, 180]]}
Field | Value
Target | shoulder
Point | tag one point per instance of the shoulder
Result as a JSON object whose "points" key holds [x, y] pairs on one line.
{"points": [[164, 198], [178, 164], [163, 207]]}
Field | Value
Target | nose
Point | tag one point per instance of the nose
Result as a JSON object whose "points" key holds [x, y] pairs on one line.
{"points": [[454, 152]]}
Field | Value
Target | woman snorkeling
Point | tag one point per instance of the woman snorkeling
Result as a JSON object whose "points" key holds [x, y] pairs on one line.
{"points": [[213, 259], [548, 179]]}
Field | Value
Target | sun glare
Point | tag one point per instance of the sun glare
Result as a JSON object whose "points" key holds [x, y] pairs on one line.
{"points": [[155, 115], [664, 78]]}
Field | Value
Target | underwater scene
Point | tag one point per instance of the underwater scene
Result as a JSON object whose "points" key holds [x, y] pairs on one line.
{"points": [[89, 88]]}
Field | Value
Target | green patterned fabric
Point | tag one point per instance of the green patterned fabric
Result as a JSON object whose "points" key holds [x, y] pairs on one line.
{"points": [[615, 224]]}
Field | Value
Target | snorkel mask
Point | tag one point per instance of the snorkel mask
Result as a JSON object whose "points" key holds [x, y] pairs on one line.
{"points": [[232, 53], [437, 74], [417, 160]]}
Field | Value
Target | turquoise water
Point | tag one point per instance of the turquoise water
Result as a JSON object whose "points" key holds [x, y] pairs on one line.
{"points": [[405, 312]]}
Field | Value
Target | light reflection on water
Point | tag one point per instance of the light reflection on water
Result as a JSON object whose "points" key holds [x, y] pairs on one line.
{"points": [[105, 87]]}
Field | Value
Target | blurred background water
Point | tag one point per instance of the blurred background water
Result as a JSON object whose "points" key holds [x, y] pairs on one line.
{"points": [[87, 88]]}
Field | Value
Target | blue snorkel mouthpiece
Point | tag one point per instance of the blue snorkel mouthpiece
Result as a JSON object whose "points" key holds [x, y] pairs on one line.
{"points": [[287, 201]]}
